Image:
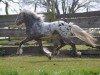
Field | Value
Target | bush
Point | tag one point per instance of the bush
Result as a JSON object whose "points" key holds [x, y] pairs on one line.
{"points": [[2, 52]]}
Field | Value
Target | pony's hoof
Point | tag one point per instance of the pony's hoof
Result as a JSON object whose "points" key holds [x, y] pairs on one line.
{"points": [[56, 53], [17, 53], [49, 57], [79, 53], [76, 54]]}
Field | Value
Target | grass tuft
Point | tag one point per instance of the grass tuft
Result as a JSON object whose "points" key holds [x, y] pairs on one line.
{"points": [[9, 72]]}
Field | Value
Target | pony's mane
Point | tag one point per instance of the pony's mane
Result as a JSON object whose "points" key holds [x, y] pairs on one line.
{"points": [[32, 14]]}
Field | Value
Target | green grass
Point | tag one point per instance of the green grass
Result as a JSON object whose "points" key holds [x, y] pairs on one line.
{"points": [[79, 47], [4, 41], [40, 65]]}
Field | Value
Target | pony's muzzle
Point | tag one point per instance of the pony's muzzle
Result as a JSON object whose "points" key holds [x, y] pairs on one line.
{"points": [[17, 22]]}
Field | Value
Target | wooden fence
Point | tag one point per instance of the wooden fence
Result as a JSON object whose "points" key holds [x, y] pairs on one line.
{"points": [[7, 20], [8, 27], [85, 22], [75, 15]]}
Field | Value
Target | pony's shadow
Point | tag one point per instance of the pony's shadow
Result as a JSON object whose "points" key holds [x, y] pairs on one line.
{"points": [[54, 60], [44, 61]]}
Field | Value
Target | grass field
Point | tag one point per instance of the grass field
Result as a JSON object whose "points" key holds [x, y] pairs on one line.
{"points": [[40, 65]]}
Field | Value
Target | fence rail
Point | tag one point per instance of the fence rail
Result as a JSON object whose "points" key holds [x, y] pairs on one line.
{"points": [[86, 22], [77, 15], [7, 20], [12, 33]]}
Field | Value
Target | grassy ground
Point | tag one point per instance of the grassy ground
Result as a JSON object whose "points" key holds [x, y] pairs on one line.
{"points": [[40, 65], [79, 47]]}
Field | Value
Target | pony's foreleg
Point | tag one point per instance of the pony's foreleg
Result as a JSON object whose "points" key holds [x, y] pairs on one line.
{"points": [[39, 41], [43, 49], [19, 50]]}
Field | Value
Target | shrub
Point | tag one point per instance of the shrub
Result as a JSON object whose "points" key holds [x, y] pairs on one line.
{"points": [[2, 52]]}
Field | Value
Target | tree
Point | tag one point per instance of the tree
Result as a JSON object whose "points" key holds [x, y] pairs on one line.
{"points": [[86, 4], [73, 6], [68, 6], [55, 6], [64, 7], [6, 6]]}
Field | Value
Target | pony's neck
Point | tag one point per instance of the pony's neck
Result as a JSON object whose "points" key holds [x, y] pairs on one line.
{"points": [[31, 21]]}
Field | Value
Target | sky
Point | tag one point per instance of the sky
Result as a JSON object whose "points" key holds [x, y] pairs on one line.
{"points": [[14, 8]]}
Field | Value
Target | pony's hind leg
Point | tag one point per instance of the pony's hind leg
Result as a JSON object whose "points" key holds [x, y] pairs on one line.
{"points": [[72, 44], [57, 47], [58, 42], [39, 41], [44, 49]]}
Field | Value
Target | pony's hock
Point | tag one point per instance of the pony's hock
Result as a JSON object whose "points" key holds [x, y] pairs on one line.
{"points": [[98, 47]]}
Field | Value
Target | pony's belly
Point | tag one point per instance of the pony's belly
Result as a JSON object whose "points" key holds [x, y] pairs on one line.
{"points": [[48, 37]]}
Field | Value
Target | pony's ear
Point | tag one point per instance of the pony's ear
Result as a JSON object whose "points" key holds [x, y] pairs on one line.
{"points": [[38, 18]]}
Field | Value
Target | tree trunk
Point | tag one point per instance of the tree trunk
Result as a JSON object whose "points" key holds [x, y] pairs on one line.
{"points": [[48, 5], [35, 7], [6, 8], [72, 8], [56, 7]]}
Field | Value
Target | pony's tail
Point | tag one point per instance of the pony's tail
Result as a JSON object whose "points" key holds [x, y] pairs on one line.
{"points": [[83, 35]]}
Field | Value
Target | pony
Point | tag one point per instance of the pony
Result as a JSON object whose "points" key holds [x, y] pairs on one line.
{"points": [[37, 29]]}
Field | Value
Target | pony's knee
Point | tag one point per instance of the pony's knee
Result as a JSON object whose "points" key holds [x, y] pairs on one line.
{"points": [[55, 32], [73, 44]]}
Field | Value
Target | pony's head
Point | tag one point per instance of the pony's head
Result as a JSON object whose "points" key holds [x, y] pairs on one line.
{"points": [[26, 16], [20, 18]]}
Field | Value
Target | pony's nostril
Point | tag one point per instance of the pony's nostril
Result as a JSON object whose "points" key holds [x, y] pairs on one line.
{"points": [[15, 22]]}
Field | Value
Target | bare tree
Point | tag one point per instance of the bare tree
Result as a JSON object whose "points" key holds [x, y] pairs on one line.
{"points": [[6, 6], [64, 4], [86, 4], [55, 6], [68, 6], [73, 6]]}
